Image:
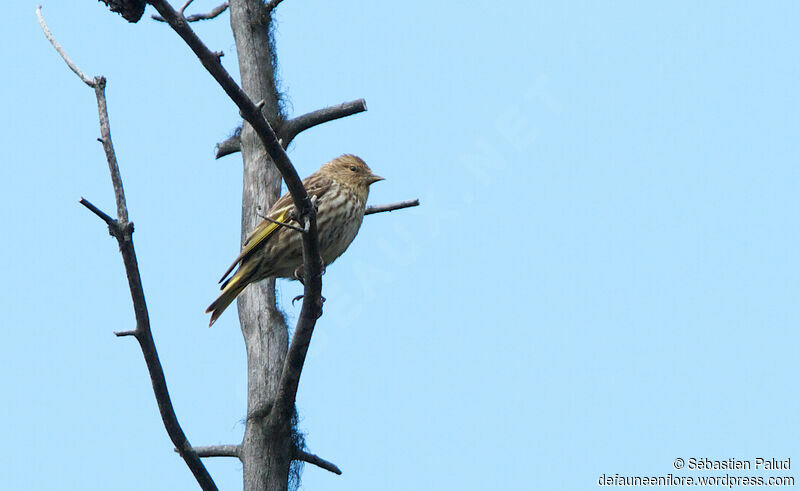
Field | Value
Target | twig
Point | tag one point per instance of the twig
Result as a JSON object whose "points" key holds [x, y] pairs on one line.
{"points": [[184, 7], [282, 224], [312, 262], [60, 50], [295, 126], [123, 232], [217, 451], [317, 461], [97, 211], [196, 17], [391, 207]]}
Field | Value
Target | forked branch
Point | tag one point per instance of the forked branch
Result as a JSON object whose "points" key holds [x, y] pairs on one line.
{"points": [[312, 262], [293, 127], [311, 310], [122, 230], [216, 11]]}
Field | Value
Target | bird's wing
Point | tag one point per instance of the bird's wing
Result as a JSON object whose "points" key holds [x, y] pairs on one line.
{"points": [[281, 211], [257, 236]]}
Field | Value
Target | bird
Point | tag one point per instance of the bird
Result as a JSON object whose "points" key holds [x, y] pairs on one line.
{"points": [[341, 187]]}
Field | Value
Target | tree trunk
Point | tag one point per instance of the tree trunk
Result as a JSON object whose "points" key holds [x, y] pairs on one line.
{"points": [[266, 452]]}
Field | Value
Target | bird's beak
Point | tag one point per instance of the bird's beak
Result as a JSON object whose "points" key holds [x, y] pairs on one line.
{"points": [[373, 178]]}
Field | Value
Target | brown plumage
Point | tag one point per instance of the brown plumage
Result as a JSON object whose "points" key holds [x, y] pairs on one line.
{"points": [[341, 187]]}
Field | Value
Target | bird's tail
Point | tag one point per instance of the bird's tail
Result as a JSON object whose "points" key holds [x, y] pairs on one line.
{"points": [[230, 290]]}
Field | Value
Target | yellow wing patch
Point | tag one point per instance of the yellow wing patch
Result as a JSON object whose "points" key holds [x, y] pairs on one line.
{"points": [[259, 235]]}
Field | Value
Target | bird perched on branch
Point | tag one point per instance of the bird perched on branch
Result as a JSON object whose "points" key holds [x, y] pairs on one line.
{"points": [[341, 187]]}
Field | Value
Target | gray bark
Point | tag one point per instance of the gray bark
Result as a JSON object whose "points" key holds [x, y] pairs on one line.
{"points": [[266, 452]]}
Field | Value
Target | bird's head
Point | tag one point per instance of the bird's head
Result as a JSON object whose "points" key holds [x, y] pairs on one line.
{"points": [[351, 170]]}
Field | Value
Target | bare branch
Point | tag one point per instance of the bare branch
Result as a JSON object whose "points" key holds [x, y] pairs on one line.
{"points": [[312, 262], [184, 7], [282, 224], [97, 211], [123, 232], [196, 17], [99, 86], [60, 50], [391, 206], [246, 106], [319, 462], [295, 126], [108, 147], [214, 13], [121, 334], [231, 145], [272, 5], [217, 451]]}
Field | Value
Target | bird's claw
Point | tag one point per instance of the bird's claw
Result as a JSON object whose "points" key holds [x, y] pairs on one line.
{"points": [[321, 298], [298, 273]]}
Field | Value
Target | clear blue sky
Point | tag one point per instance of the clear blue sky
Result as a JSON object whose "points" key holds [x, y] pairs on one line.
{"points": [[603, 276]]}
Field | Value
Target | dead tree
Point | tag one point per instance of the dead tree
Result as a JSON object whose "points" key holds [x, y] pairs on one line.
{"points": [[271, 444]]}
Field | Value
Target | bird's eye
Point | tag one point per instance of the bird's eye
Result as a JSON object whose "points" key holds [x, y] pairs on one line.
{"points": [[353, 168]]}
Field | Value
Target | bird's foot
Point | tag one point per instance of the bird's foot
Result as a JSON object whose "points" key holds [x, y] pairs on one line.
{"points": [[299, 274], [299, 297]]}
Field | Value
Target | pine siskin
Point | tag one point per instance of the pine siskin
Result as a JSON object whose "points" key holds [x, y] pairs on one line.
{"points": [[341, 187]]}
